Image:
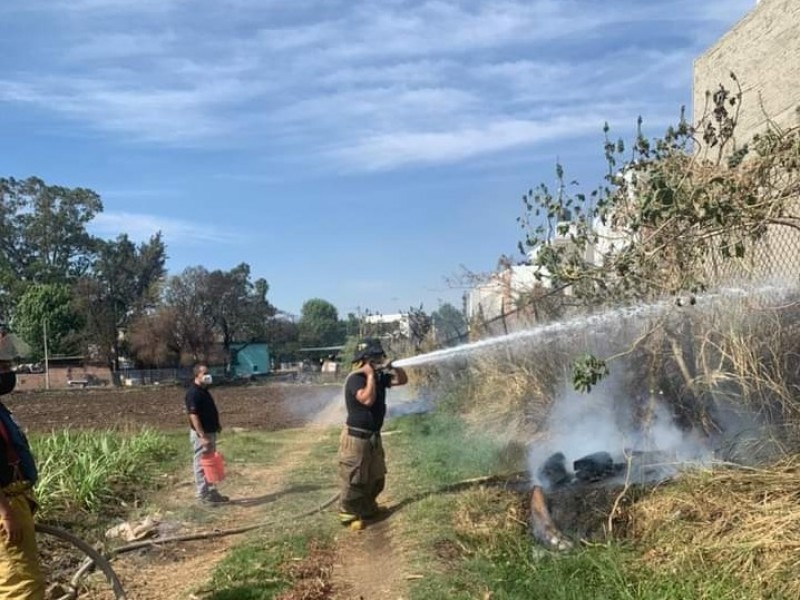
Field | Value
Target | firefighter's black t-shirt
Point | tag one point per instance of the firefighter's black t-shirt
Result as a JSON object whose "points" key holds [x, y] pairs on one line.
{"points": [[366, 417]]}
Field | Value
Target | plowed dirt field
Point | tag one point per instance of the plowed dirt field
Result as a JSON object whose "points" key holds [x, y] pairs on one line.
{"points": [[266, 407]]}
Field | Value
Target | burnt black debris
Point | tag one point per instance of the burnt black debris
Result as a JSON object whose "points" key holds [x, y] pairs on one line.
{"points": [[554, 470], [596, 466]]}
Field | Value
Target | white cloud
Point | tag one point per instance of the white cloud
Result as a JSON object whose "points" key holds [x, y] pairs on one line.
{"points": [[112, 6], [380, 85], [175, 231], [175, 115], [388, 151], [111, 47]]}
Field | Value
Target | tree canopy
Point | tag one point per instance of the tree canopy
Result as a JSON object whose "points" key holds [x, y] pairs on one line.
{"points": [[202, 313], [319, 324], [43, 237], [46, 309], [669, 212], [122, 283]]}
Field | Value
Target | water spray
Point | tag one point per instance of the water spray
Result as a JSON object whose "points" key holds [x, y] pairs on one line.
{"points": [[545, 332]]}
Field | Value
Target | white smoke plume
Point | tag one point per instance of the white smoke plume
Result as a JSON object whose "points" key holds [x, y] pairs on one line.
{"points": [[605, 420]]}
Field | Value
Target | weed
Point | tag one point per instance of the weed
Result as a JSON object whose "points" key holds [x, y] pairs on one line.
{"points": [[91, 471]]}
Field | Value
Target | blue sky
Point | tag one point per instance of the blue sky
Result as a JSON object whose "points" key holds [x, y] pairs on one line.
{"points": [[361, 152]]}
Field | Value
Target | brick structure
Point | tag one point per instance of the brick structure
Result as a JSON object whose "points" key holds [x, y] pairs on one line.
{"points": [[763, 50]]}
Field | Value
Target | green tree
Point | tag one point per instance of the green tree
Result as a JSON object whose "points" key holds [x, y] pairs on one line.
{"points": [[419, 324], [352, 325], [674, 214], [319, 324], [48, 305], [192, 330], [239, 308], [449, 323], [669, 211], [43, 237], [283, 338]]}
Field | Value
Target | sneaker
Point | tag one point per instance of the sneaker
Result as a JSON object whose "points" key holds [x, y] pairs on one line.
{"points": [[214, 497]]}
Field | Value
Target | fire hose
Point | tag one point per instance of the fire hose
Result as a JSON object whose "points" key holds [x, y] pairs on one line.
{"points": [[203, 535], [96, 559]]}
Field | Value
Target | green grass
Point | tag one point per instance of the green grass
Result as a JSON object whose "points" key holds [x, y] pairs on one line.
{"points": [[265, 564], [262, 568], [252, 447], [253, 571], [439, 450], [87, 471]]}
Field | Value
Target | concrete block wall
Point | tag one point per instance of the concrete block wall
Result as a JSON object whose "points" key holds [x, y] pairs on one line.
{"points": [[763, 49]]}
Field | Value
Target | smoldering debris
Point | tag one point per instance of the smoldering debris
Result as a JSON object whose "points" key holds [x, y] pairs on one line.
{"points": [[568, 505]]}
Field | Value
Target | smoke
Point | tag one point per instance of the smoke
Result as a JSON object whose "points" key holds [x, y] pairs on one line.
{"points": [[636, 432], [325, 405], [312, 404], [404, 401]]}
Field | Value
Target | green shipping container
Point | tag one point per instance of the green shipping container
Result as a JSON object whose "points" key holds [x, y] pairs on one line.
{"points": [[249, 360]]}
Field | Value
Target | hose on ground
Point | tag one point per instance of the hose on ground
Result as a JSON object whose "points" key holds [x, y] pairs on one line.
{"points": [[96, 558], [203, 535]]}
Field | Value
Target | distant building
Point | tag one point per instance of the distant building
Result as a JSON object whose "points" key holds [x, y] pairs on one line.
{"points": [[249, 359], [393, 325], [500, 295]]}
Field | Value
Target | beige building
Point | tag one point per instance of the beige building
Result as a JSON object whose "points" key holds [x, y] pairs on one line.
{"points": [[763, 50]]}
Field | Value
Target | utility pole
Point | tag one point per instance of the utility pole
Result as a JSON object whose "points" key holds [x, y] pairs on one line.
{"points": [[46, 358]]}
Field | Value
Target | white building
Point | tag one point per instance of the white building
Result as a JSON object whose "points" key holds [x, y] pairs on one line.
{"points": [[500, 294], [395, 324]]}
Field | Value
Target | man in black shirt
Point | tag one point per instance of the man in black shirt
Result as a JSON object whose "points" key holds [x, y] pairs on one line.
{"points": [[362, 464], [205, 425]]}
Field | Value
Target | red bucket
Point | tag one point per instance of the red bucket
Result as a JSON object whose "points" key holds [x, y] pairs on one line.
{"points": [[213, 466]]}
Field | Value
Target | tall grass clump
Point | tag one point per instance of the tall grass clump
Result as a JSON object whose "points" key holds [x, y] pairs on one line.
{"points": [[88, 471], [734, 522]]}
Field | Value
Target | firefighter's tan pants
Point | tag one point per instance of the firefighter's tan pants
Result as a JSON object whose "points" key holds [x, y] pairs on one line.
{"points": [[20, 575], [362, 473]]}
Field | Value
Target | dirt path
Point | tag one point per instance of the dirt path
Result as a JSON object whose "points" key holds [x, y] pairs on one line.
{"points": [[368, 564], [174, 572]]}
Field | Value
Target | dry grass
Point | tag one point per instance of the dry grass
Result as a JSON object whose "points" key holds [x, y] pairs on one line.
{"points": [[512, 393], [484, 516], [743, 522]]}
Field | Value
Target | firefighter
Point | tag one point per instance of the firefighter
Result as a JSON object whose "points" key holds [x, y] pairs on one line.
{"points": [[21, 576], [362, 464]]}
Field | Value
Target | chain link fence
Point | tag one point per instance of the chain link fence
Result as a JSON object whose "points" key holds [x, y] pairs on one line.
{"points": [[773, 258]]}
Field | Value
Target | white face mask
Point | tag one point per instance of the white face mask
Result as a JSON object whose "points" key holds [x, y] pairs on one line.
{"points": [[206, 379]]}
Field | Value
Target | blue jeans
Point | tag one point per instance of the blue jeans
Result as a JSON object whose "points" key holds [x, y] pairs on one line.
{"points": [[202, 487]]}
